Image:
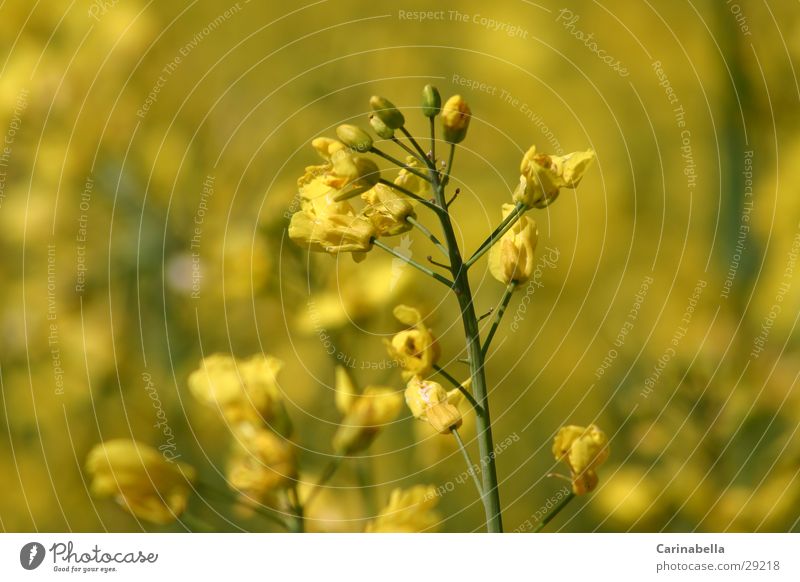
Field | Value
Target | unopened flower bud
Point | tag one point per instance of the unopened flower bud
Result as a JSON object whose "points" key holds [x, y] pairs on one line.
{"points": [[388, 113], [354, 137], [431, 101], [455, 119], [380, 128]]}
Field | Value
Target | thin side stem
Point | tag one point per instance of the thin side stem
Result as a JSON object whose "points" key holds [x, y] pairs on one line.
{"points": [[561, 505], [408, 149], [502, 228], [195, 523], [424, 230], [229, 496], [449, 169], [328, 472], [413, 263], [433, 141], [411, 195], [470, 398], [470, 464], [297, 508], [399, 164], [416, 146], [498, 316]]}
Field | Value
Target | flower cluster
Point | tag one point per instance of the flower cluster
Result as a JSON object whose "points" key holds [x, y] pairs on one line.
{"points": [[248, 397]]}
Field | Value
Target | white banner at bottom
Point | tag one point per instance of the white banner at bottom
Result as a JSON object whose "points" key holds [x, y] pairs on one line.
{"points": [[396, 557]]}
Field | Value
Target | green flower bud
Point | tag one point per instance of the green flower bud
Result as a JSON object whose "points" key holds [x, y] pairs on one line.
{"points": [[354, 137], [431, 101], [455, 119], [380, 127], [388, 113]]}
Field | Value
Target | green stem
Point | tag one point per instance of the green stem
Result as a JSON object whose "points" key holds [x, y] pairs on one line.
{"points": [[413, 263], [498, 316], [433, 141], [561, 505], [470, 464], [327, 473], [416, 146], [399, 164], [483, 424], [195, 523], [293, 498], [229, 497], [502, 228], [411, 195], [408, 149], [424, 230], [449, 164], [455, 383]]}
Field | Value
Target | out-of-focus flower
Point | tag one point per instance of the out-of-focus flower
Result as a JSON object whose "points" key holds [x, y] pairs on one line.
{"points": [[543, 175], [359, 293], [387, 210], [387, 112], [408, 511], [455, 119], [412, 182], [261, 461], [245, 391], [364, 414], [511, 258], [416, 349], [429, 401], [140, 479], [584, 449]]}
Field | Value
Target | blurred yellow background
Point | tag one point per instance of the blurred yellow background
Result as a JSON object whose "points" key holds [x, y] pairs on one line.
{"points": [[150, 158]]}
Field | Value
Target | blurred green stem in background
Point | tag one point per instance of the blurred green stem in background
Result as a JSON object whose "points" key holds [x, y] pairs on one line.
{"points": [[556, 510]]}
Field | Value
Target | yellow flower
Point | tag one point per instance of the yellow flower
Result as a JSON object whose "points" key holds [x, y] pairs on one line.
{"points": [[455, 119], [325, 222], [364, 414], [261, 461], [245, 391], [387, 210], [345, 172], [140, 479], [584, 449], [428, 401], [544, 175], [511, 258], [339, 233], [408, 511], [416, 349], [412, 182]]}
